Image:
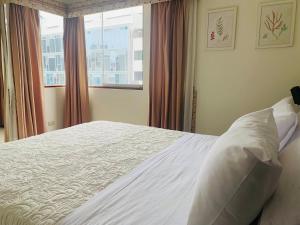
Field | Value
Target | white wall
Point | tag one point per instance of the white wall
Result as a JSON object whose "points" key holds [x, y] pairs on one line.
{"points": [[234, 82]]}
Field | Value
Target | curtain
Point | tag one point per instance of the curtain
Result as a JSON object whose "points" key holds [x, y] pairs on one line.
{"points": [[190, 94], [10, 123], [173, 65], [167, 67], [76, 109], [1, 87], [24, 31]]}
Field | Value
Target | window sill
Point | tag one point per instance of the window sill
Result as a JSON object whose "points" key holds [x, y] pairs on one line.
{"points": [[53, 86], [122, 86], [108, 86]]}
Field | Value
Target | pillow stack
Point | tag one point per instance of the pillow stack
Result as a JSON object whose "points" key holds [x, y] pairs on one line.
{"points": [[239, 174], [284, 207], [286, 120]]}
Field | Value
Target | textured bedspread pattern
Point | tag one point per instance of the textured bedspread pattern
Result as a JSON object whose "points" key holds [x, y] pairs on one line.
{"points": [[44, 178]]}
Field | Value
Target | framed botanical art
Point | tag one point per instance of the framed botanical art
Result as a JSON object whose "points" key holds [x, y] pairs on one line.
{"points": [[221, 28], [276, 24]]}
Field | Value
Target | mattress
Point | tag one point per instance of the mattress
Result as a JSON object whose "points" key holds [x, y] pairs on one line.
{"points": [[44, 179]]}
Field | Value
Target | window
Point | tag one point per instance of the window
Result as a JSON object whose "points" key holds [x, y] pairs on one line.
{"points": [[114, 46], [138, 55], [52, 49], [138, 76]]}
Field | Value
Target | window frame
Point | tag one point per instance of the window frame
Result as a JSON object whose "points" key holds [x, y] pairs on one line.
{"points": [[120, 86]]}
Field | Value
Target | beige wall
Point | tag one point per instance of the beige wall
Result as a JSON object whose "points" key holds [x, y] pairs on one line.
{"points": [[130, 106], [230, 83], [234, 82], [54, 102]]}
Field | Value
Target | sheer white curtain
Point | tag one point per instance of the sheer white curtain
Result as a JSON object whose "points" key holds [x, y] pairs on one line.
{"points": [[191, 48], [10, 123]]}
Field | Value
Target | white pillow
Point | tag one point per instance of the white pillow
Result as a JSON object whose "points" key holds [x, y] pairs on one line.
{"points": [[239, 174], [296, 134], [286, 120], [284, 207]]}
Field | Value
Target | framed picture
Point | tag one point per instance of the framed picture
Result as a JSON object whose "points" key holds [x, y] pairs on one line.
{"points": [[221, 28], [276, 24]]}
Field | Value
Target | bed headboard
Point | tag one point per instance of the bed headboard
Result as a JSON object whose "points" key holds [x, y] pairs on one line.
{"points": [[296, 94]]}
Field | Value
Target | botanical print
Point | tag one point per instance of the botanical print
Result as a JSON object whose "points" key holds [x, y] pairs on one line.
{"points": [[276, 24], [220, 31], [221, 28]]}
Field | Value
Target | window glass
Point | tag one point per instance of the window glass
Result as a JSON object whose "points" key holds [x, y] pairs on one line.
{"points": [[138, 55], [52, 49], [114, 44], [94, 48]]}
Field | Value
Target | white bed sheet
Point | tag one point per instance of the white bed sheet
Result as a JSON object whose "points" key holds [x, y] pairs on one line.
{"points": [[158, 192]]}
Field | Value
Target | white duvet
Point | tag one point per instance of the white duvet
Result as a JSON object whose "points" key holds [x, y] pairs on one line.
{"points": [[158, 192], [45, 178]]}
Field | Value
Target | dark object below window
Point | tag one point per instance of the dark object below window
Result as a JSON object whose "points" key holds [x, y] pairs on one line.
{"points": [[296, 94]]}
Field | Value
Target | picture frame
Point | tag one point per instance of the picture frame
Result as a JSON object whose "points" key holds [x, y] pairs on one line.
{"points": [[221, 28], [276, 24]]}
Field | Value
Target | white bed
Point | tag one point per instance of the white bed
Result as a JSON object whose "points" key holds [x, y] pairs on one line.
{"points": [[96, 173]]}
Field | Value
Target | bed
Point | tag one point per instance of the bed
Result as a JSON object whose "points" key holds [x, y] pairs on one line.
{"points": [[120, 174], [100, 173]]}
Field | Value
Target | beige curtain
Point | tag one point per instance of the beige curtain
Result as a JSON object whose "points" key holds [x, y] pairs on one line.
{"points": [[167, 67], [76, 110], [10, 121], [190, 93], [1, 87], [24, 31], [173, 65]]}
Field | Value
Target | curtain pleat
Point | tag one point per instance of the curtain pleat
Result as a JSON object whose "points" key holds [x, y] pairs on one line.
{"points": [[190, 93], [76, 109], [10, 121], [24, 30], [1, 88], [167, 65], [173, 65]]}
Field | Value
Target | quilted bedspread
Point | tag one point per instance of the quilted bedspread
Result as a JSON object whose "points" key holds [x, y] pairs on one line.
{"points": [[45, 178]]}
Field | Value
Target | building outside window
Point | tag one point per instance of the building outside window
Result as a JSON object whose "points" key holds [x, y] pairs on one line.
{"points": [[52, 49], [138, 55], [138, 76], [114, 44], [114, 47]]}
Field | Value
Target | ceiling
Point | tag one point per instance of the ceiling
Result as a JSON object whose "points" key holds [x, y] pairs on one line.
{"points": [[75, 8], [68, 2], [66, 8]]}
